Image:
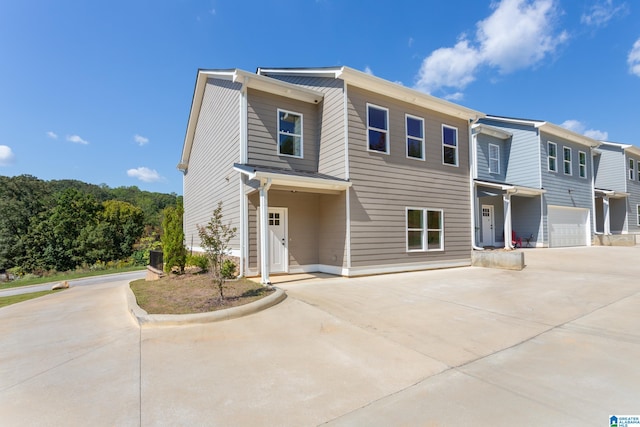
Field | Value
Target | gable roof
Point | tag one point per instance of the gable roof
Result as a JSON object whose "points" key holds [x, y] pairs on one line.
{"points": [[381, 86], [627, 148], [247, 80]]}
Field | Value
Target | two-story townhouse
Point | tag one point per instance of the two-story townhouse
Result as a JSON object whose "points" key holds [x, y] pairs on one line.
{"points": [[531, 179], [329, 170], [617, 188]]}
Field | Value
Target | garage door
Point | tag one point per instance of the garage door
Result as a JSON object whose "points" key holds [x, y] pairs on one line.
{"points": [[568, 226]]}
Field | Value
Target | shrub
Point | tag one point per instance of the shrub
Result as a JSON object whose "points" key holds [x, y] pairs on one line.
{"points": [[197, 260], [228, 270]]}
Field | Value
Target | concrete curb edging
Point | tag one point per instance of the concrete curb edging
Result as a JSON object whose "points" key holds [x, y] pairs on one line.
{"points": [[146, 320], [507, 260]]}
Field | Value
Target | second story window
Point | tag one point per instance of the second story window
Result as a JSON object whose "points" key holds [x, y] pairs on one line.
{"points": [[638, 170], [377, 129], [567, 160], [449, 145], [289, 133], [415, 137], [552, 156], [582, 160], [494, 158], [632, 168]]}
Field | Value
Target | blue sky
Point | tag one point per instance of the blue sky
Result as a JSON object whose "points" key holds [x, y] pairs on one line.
{"points": [[100, 91]]}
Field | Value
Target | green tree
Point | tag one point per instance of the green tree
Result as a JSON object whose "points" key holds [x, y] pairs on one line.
{"points": [[215, 238], [174, 251]]}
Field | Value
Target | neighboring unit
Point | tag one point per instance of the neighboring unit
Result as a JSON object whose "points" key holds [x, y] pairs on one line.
{"points": [[329, 170], [617, 189], [533, 184]]}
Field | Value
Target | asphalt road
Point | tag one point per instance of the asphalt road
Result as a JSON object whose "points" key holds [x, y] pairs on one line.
{"points": [[87, 281]]}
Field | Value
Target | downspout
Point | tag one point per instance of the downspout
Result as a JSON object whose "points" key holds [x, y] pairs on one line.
{"points": [[472, 184], [264, 231], [244, 208]]}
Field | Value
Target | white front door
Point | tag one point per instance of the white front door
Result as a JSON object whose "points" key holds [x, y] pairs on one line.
{"points": [[279, 254], [488, 235]]}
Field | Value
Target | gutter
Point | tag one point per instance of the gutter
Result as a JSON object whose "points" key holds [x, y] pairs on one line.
{"points": [[472, 184]]}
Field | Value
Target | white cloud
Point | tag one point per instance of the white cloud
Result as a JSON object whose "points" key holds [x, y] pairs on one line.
{"points": [[456, 96], [634, 59], [6, 155], [518, 34], [141, 140], [52, 135], [602, 12], [76, 139], [368, 70], [579, 127], [145, 174]]}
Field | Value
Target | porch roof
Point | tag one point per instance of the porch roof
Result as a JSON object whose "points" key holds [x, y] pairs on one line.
{"points": [[612, 194], [291, 178], [517, 190]]}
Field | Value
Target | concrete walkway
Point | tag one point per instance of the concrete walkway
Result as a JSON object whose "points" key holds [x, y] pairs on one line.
{"points": [[555, 344]]}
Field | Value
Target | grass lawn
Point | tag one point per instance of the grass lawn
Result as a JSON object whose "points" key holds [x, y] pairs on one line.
{"points": [[66, 276], [13, 299], [193, 293]]}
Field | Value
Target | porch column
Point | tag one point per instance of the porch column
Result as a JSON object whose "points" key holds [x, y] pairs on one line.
{"points": [[506, 201], [605, 212], [264, 230]]}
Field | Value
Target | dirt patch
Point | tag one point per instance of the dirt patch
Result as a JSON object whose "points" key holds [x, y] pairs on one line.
{"points": [[194, 293]]}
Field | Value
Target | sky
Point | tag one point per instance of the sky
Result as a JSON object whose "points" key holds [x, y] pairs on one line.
{"points": [[100, 91]]}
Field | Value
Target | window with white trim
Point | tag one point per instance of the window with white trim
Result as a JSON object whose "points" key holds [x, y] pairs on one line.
{"points": [[582, 162], [414, 127], [632, 169], [566, 159], [494, 158], [638, 170], [449, 145], [425, 230], [552, 156], [377, 129], [289, 133]]}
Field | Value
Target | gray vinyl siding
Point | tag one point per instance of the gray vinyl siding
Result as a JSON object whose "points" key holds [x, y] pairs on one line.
{"points": [[611, 169], [331, 116], [526, 219], [523, 166], [263, 131], [618, 216], [482, 147], [384, 185], [565, 190], [210, 177], [633, 188]]}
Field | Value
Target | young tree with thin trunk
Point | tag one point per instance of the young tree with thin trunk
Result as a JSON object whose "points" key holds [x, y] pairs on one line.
{"points": [[215, 238]]}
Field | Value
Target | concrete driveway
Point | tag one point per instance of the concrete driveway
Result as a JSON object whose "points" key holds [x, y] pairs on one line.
{"points": [[555, 344]]}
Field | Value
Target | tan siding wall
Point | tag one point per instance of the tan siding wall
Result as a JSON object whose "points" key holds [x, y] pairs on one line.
{"points": [[263, 131], [384, 185], [216, 146], [332, 150], [333, 226]]}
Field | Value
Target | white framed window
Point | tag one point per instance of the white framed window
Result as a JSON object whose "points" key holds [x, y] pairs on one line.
{"points": [[638, 214], [449, 145], [290, 134], [582, 162], [632, 169], [414, 128], [552, 156], [377, 129], [566, 160], [638, 170], [494, 158], [425, 230]]}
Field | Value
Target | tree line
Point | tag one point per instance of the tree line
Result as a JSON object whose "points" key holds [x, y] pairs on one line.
{"points": [[65, 224]]}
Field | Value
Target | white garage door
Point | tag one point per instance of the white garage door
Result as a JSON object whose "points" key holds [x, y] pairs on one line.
{"points": [[568, 226]]}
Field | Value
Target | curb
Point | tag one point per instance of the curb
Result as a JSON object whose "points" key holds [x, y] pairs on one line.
{"points": [[146, 320]]}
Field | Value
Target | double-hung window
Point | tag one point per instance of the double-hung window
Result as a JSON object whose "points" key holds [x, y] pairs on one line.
{"points": [[494, 158], [632, 169], [415, 137], [552, 156], [582, 161], [425, 230], [289, 133], [449, 145], [566, 156], [377, 129]]}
